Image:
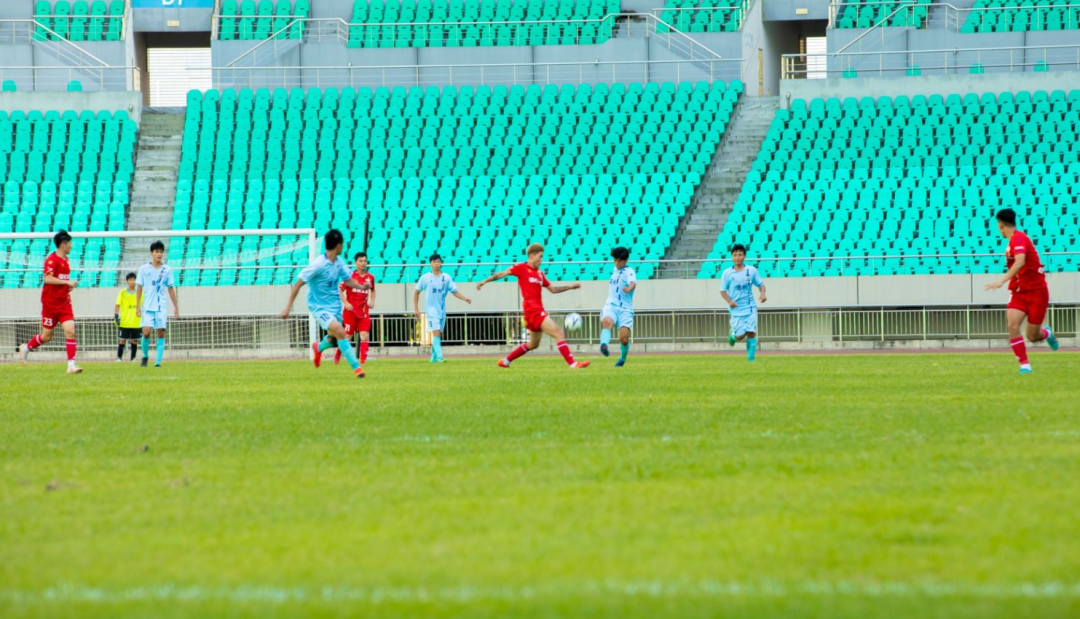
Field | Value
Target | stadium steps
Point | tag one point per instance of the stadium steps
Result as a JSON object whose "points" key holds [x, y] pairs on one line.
{"points": [[153, 191], [721, 186]]}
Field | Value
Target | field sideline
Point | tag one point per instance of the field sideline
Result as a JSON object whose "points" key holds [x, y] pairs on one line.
{"points": [[912, 485]]}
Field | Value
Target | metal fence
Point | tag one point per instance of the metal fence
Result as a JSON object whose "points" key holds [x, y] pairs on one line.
{"points": [[709, 327]]}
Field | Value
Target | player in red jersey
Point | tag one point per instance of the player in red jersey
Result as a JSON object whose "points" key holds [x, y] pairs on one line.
{"points": [[1028, 294], [357, 304], [56, 302], [531, 280]]}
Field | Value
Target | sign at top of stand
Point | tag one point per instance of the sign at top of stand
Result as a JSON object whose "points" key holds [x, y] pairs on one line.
{"points": [[172, 4]]}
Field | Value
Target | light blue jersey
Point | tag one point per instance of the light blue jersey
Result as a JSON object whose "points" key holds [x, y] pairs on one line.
{"points": [[322, 277], [621, 279], [739, 285], [436, 288], [155, 287]]}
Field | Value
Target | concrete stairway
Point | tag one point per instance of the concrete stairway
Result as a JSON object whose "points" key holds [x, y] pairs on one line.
{"points": [[153, 192], [720, 188]]}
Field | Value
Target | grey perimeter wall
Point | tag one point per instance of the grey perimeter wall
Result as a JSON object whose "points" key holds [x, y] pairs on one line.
{"points": [[874, 291]]}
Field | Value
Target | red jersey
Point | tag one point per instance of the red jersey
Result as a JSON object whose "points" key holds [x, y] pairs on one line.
{"points": [[1030, 277], [358, 299], [531, 282], [56, 295]]}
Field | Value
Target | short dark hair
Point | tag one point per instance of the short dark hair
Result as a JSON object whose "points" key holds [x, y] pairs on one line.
{"points": [[130, 276], [738, 247], [435, 257], [359, 255], [156, 245], [333, 239], [61, 237], [620, 253], [1007, 216]]}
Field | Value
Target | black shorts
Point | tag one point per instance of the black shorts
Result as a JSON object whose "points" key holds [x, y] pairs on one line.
{"points": [[130, 334]]}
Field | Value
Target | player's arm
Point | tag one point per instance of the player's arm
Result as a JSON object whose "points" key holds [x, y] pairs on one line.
{"points": [[344, 295], [1018, 264], [631, 287], [416, 302], [116, 311], [138, 300], [457, 293], [761, 293], [494, 278], [355, 285], [560, 289], [371, 296], [295, 290], [175, 303], [56, 281], [727, 299]]}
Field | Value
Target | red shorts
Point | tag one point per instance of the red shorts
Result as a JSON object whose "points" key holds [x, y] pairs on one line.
{"points": [[535, 318], [1032, 302], [354, 323], [53, 317]]}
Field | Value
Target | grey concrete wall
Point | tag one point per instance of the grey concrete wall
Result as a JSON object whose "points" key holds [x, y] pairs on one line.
{"points": [[130, 101], [786, 9], [751, 40], [939, 84], [20, 55], [921, 40], [325, 9], [874, 291], [16, 9], [157, 20], [615, 50]]}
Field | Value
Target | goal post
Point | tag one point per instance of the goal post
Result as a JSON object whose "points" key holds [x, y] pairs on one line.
{"points": [[231, 286]]}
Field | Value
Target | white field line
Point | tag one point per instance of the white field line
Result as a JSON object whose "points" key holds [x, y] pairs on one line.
{"points": [[68, 592]]}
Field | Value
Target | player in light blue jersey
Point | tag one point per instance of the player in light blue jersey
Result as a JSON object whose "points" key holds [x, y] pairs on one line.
{"points": [[152, 284], [619, 309], [437, 285], [324, 301], [737, 288]]}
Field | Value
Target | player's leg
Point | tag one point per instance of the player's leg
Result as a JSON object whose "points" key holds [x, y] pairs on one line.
{"points": [[365, 341], [751, 336], [348, 322], [552, 329], [159, 344], [624, 345], [120, 347], [532, 344], [1014, 318], [132, 343], [607, 323], [70, 344], [147, 329], [1036, 317], [436, 346], [338, 332], [47, 326]]}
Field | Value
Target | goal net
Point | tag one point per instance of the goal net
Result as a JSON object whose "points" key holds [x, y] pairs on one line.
{"points": [[231, 286]]}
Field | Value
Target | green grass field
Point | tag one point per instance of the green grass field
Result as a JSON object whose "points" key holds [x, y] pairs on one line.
{"points": [[802, 486]]}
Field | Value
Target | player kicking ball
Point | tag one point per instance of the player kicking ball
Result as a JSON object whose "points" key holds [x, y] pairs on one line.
{"points": [[737, 288], [152, 284], [323, 276], [437, 285], [619, 309], [358, 303], [1029, 296], [56, 303], [531, 281]]}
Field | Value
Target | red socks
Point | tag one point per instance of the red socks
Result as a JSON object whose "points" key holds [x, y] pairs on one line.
{"points": [[1020, 350], [34, 343], [363, 351], [71, 348], [518, 352], [1044, 333], [564, 350]]}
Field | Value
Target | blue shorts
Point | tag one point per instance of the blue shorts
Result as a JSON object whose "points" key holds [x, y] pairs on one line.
{"points": [[326, 316], [744, 324], [435, 322], [621, 316], [155, 320]]}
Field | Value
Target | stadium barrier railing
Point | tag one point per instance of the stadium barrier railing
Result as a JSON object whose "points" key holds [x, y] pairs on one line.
{"points": [[944, 15]]}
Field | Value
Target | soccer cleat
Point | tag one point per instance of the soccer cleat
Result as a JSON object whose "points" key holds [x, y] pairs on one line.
{"points": [[157, 365], [119, 360], [620, 363], [438, 360], [604, 350], [74, 369], [337, 357], [731, 338], [579, 365], [23, 350], [1050, 339], [1025, 369], [503, 363], [359, 372], [145, 360], [317, 357]]}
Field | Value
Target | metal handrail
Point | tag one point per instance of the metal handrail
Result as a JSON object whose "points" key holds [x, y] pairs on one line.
{"points": [[788, 61], [884, 20], [953, 25]]}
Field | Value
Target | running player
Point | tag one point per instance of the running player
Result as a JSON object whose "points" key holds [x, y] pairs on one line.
{"points": [[154, 281], [531, 281], [737, 288], [619, 309], [437, 285], [324, 302], [1028, 294], [56, 302], [357, 304], [126, 317]]}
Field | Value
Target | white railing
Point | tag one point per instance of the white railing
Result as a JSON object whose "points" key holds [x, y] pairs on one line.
{"points": [[932, 62], [226, 78], [952, 18], [58, 79], [673, 17]]}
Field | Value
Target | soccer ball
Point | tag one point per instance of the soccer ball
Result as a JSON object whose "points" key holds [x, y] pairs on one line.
{"points": [[573, 321]]}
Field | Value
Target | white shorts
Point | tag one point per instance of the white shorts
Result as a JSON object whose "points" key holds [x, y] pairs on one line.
{"points": [[435, 322], [621, 316], [326, 316], [744, 324], [155, 320]]}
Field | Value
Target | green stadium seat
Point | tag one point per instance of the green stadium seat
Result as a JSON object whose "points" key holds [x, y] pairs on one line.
{"points": [[1020, 16]]}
